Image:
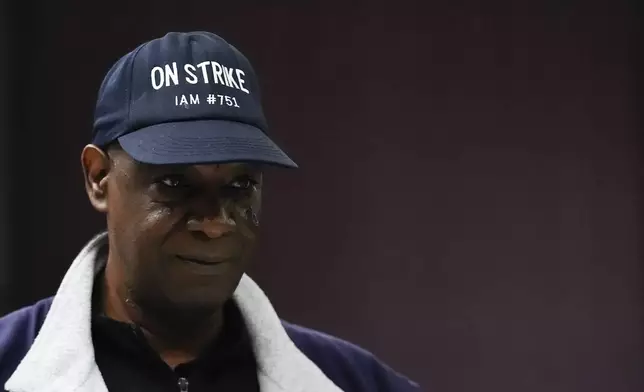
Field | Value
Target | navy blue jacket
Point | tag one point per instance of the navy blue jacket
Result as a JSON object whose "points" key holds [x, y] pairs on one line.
{"points": [[350, 367]]}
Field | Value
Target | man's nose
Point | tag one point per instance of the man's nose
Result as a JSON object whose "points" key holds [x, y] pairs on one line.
{"points": [[214, 224]]}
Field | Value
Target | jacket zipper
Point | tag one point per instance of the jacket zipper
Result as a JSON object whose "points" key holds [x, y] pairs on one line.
{"points": [[183, 384]]}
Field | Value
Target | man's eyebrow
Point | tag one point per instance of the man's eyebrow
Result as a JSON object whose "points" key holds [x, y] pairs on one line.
{"points": [[243, 170], [148, 169], [252, 168]]}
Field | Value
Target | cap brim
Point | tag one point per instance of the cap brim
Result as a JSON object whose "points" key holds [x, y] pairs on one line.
{"points": [[201, 142]]}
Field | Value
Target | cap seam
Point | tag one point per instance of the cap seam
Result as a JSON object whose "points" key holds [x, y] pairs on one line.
{"points": [[129, 98], [187, 120]]}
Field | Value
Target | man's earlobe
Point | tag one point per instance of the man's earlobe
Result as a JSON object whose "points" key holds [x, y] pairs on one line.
{"points": [[96, 167]]}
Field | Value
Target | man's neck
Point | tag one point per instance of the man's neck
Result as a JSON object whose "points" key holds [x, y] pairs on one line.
{"points": [[173, 346]]}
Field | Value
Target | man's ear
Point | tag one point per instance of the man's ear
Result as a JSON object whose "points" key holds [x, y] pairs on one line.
{"points": [[96, 168]]}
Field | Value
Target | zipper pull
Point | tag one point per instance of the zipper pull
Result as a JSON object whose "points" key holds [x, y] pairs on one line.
{"points": [[183, 384]]}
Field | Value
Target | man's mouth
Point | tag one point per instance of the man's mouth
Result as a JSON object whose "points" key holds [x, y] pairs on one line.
{"points": [[202, 260]]}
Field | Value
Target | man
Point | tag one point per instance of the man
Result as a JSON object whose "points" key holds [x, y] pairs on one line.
{"points": [[160, 301]]}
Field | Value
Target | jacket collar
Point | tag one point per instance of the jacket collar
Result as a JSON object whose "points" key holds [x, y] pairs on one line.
{"points": [[62, 355]]}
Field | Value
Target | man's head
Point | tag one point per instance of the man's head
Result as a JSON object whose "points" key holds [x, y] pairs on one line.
{"points": [[176, 165]]}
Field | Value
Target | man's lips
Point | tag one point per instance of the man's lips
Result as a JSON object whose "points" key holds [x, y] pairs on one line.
{"points": [[201, 260]]}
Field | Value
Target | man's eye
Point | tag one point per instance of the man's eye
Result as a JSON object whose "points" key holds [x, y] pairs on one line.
{"points": [[243, 184], [172, 181]]}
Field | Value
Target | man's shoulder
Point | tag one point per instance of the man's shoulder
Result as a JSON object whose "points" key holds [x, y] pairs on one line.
{"points": [[18, 330], [348, 365], [351, 367]]}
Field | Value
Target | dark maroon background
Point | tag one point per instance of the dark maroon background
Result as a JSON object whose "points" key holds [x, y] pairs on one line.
{"points": [[468, 203]]}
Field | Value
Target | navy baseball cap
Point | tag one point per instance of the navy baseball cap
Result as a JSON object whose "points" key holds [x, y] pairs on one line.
{"points": [[185, 98]]}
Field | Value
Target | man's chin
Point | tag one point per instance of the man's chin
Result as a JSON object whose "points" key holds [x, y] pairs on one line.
{"points": [[182, 302], [181, 315], [196, 300]]}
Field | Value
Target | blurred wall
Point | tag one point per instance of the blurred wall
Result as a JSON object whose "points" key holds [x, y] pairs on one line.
{"points": [[468, 203], [4, 157]]}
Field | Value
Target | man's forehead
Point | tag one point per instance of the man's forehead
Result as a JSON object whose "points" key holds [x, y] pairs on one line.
{"points": [[204, 169]]}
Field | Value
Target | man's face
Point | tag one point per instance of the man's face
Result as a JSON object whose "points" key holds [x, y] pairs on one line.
{"points": [[183, 235]]}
